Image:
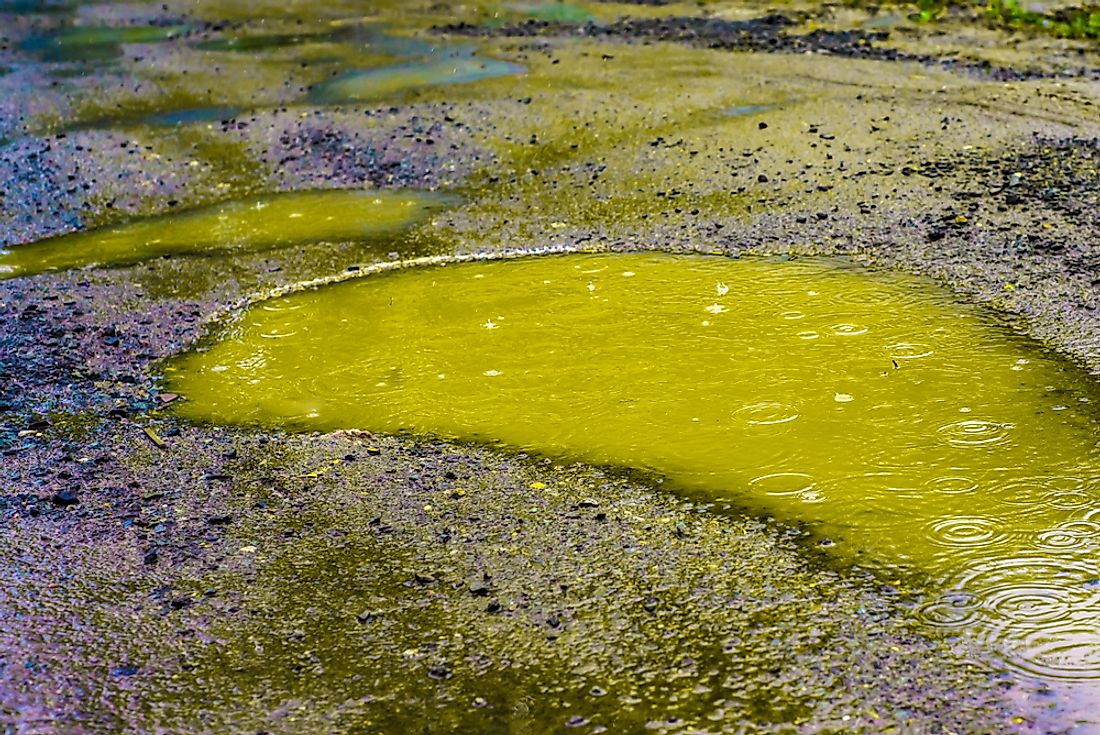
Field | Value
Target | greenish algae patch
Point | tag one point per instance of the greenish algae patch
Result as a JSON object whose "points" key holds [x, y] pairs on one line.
{"points": [[252, 224], [907, 428], [73, 425], [385, 81]]}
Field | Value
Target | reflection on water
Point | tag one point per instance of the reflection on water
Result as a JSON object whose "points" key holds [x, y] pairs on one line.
{"points": [[380, 82], [366, 38], [555, 11], [332, 63], [96, 43], [191, 115], [911, 431], [746, 110]]}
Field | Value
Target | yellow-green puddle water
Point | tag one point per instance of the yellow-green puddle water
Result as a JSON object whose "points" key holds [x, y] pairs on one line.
{"points": [[251, 224], [908, 428], [97, 43]]}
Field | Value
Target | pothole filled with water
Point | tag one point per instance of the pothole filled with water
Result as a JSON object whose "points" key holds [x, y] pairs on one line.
{"points": [[251, 224], [910, 430]]}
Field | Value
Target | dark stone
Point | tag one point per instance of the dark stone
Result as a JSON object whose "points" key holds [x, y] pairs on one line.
{"points": [[178, 603], [65, 498]]}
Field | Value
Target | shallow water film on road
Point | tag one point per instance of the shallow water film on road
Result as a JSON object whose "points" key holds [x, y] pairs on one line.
{"points": [[908, 429], [381, 82]]}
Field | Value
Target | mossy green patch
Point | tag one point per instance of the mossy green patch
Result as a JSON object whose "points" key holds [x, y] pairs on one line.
{"points": [[908, 429], [73, 425], [1072, 22], [252, 224]]}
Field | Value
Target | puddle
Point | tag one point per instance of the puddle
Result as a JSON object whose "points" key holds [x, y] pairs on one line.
{"points": [[179, 103], [96, 43], [376, 83], [746, 110], [374, 39], [554, 12], [886, 21], [908, 429], [252, 224], [34, 7], [253, 43], [191, 115]]}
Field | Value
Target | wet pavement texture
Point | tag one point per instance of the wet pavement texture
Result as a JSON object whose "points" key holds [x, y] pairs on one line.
{"points": [[160, 576]]}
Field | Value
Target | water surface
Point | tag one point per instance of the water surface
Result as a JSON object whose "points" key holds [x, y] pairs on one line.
{"points": [[909, 429], [385, 81], [250, 224], [96, 43], [555, 11]]}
